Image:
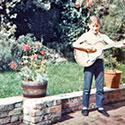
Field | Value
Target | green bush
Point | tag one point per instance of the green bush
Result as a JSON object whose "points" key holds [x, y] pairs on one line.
{"points": [[73, 22], [5, 57], [113, 24]]}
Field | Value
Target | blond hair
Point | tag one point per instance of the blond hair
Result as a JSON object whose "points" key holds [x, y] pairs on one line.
{"points": [[94, 20]]}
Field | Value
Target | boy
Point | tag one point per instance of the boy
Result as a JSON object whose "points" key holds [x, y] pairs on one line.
{"points": [[87, 40]]}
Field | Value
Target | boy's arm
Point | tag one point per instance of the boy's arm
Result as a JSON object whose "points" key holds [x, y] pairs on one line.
{"points": [[81, 43], [109, 41]]}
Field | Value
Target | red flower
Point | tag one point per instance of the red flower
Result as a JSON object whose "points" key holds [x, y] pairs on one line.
{"points": [[34, 56], [13, 65], [77, 4], [42, 52], [26, 47], [37, 44], [90, 4]]}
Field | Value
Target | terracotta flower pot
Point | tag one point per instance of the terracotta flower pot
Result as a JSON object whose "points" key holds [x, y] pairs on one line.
{"points": [[112, 78], [31, 90]]}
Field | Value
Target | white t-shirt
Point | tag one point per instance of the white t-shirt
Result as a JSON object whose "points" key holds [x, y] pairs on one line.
{"points": [[90, 38]]}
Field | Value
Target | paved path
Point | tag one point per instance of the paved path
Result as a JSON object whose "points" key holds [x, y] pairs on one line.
{"points": [[116, 111]]}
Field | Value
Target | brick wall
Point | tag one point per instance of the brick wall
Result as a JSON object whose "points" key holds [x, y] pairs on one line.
{"points": [[11, 111], [50, 109]]}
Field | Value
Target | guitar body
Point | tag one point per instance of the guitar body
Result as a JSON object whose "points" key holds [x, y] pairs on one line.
{"points": [[86, 59]]}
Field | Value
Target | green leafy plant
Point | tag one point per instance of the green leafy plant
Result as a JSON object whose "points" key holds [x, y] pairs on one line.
{"points": [[5, 57], [110, 61], [5, 52], [33, 65], [113, 24]]}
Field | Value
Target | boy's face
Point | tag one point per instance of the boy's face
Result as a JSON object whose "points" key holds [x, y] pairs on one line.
{"points": [[94, 27]]}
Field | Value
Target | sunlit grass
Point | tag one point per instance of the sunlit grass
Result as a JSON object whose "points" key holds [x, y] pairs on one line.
{"points": [[65, 77], [9, 84]]}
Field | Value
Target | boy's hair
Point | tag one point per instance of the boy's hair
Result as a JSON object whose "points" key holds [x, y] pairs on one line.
{"points": [[94, 20]]}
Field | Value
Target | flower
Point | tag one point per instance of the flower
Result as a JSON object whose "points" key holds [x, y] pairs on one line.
{"points": [[38, 44], [13, 65], [34, 56], [90, 4], [26, 47], [77, 4], [42, 52], [33, 64]]}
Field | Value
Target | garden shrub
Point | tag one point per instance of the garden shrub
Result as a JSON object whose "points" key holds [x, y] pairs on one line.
{"points": [[9, 50], [59, 23], [113, 24], [39, 17], [5, 53]]}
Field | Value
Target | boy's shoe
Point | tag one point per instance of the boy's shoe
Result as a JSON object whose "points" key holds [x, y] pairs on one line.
{"points": [[104, 112], [85, 112]]}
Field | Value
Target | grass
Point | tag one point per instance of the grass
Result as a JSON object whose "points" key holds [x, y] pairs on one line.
{"points": [[9, 84], [63, 78]]}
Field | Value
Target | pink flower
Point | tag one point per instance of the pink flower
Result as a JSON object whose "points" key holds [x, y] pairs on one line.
{"points": [[77, 4], [26, 47], [90, 4], [37, 44], [13, 65], [42, 52], [34, 56]]}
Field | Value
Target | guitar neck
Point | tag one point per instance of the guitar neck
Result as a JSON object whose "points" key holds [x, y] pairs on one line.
{"points": [[112, 45]]}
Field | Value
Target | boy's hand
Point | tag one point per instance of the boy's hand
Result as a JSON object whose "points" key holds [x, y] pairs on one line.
{"points": [[91, 50], [120, 46]]}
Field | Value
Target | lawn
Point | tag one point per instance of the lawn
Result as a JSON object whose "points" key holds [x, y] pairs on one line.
{"points": [[63, 78]]}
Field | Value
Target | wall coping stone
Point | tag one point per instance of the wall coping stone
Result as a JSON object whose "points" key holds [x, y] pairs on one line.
{"points": [[16, 99], [11, 100], [66, 96]]}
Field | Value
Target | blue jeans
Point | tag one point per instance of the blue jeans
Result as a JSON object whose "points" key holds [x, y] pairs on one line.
{"points": [[97, 70]]}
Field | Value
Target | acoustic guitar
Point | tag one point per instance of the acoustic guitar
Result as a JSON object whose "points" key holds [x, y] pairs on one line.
{"points": [[86, 57]]}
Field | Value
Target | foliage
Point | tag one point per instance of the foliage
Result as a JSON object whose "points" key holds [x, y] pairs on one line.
{"points": [[110, 62], [73, 22], [19, 17], [5, 56], [9, 49], [5, 52], [113, 24]]}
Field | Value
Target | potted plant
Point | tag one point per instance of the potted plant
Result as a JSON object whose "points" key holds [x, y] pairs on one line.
{"points": [[33, 70], [112, 76]]}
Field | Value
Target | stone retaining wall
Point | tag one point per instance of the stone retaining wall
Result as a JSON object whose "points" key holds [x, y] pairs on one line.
{"points": [[47, 110], [11, 111]]}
